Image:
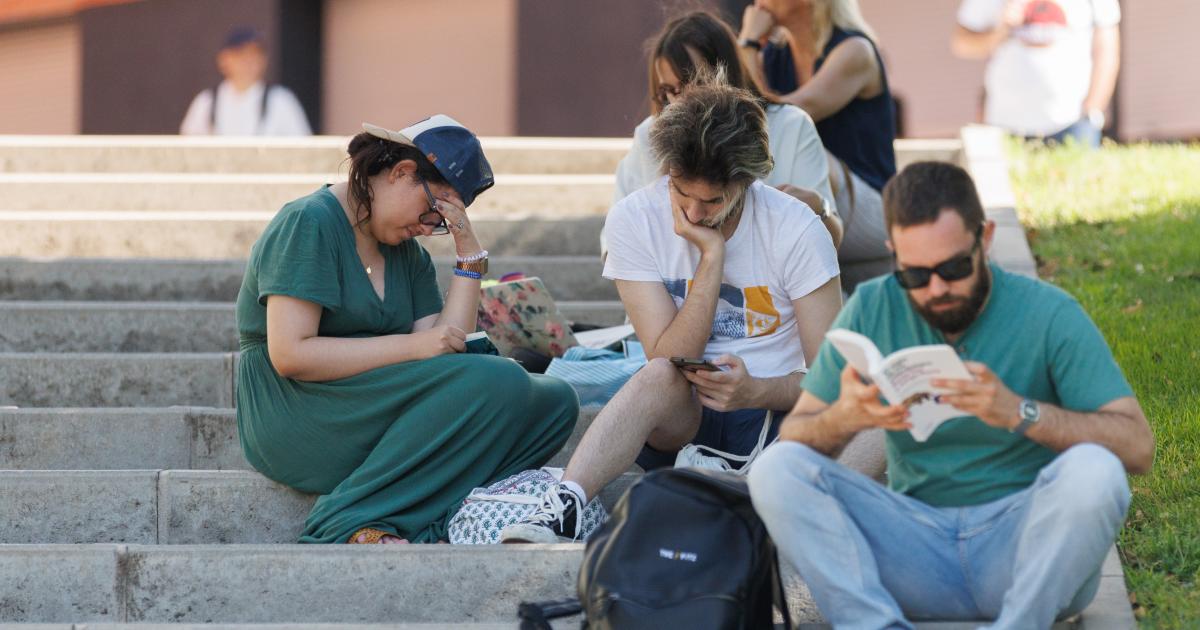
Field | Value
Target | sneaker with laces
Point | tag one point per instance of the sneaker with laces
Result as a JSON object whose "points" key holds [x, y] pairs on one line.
{"points": [[556, 520]]}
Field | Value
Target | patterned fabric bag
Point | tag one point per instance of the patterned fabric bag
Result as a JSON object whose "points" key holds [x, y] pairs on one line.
{"points": [[488, 510]]}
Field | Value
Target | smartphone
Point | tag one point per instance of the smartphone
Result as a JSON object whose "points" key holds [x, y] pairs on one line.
{"points": [[480, 343], [694, 365]]}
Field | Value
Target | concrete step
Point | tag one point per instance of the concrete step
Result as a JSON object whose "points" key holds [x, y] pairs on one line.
{"points": [[168, 507], [567, 278], [515, 196], [179, 438], [232, 587], [168, 326], [326, 154], [221, 235], [319, 154], [116, 380]]}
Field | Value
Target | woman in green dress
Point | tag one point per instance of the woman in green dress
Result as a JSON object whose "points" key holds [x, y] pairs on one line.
{"points": [[352, 382]]}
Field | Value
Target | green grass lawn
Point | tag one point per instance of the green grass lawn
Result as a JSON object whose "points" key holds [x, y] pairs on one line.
{"points": [[1119, 229]]}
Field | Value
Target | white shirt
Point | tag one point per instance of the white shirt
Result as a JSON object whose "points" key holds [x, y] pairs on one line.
{"points": [[240, 113], [791, 138], [780, 252], [1037, 80]]}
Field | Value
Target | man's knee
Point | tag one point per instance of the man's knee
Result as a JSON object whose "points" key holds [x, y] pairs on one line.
{"points": [[1093, 480], [778, 471], [657, 373]]}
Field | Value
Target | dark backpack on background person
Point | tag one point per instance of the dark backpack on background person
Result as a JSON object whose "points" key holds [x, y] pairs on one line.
{"points": [[683, 548]]}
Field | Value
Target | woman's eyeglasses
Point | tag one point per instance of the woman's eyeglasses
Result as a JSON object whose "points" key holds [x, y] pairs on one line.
{"points": [[954, 269], [665, 93], [433, 218]]}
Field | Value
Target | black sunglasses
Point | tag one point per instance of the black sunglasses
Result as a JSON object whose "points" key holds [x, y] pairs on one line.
{"points": [[954, 269], [433, 218]]}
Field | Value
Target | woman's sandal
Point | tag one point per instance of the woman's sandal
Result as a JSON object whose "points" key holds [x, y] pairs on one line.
{"points": [[370, 536]]}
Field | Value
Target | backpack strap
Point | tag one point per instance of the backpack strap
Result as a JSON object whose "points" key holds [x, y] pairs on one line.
{"points": [[212, 111], [262, 107]]}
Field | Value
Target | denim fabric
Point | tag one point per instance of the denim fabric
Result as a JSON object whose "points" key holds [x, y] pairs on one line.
{"points": [[874, 558]]}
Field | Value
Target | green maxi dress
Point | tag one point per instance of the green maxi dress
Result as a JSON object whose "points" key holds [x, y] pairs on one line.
{"points": [[398, 447]]}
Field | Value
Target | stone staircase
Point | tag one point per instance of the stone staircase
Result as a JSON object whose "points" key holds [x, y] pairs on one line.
{"points": [[125, 500]]}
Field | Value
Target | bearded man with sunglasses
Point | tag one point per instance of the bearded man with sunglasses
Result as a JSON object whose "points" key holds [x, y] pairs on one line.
{"points": [[1003, 514]]}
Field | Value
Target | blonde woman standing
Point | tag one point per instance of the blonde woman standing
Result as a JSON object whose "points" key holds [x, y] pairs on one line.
{"points": [[821, 56]]}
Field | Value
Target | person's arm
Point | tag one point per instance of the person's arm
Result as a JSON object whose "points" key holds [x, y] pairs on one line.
{"points": [[196, 121], [461, 309], [735, 388], [1120, 426], [828, 428], [665, 331], [756, 25], [1106, 62], [976, 41], [832, 222], [298, 352], [851, 71]]}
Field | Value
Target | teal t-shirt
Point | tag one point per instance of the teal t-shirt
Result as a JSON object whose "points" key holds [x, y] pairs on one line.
{"points": [[308, 252], [1034, 336]]}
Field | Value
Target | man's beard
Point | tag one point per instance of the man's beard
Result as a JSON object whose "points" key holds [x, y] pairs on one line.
{"points": [[956, 320]]}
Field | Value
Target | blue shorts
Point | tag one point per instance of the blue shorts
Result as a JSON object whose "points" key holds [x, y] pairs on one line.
{"points": [[734, 432]]}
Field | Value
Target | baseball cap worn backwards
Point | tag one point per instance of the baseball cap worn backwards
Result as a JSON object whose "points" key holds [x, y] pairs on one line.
{"points": [[454, 151]]}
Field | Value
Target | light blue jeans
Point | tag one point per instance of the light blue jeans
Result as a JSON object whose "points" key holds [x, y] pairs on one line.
{"points": [[874, 558]]}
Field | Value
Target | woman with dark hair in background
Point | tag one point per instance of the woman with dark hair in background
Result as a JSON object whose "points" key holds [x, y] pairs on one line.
{"points": [[821, 56], [352, 383], [698, 43]]}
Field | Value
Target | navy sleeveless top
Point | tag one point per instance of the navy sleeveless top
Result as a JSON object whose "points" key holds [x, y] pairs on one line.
{"points": [[861, 133]]}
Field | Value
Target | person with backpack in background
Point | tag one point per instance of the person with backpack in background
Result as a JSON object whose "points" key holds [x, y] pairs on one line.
{"points": [[1005, 512], [731, 280], [243, 104]]}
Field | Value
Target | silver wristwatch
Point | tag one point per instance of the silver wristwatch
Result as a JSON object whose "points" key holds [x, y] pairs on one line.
{"points": [[1030, 413]]}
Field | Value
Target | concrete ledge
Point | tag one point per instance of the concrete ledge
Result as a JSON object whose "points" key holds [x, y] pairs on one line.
{"points": [[315, 154], [116, 380], [155, 327], [568, 278], [310, 585], [179, 438], [59, 584], [219, 235], [515, 196], [175, 507], [320, 154], [78, 506]]}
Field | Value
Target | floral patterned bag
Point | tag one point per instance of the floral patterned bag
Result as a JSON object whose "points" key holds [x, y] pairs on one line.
{"points": [[488, 510], [521, 314]]}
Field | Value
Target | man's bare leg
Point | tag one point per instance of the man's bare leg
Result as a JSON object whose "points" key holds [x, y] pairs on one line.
{"points": [[655, 406]]}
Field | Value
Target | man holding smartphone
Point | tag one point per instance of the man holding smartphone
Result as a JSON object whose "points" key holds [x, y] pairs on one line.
{"points": [[711, 265]]}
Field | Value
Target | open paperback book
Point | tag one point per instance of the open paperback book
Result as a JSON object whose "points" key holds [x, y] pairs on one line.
{"points": [[904, 377]]}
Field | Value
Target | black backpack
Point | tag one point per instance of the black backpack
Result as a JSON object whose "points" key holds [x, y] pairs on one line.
{"points": [[682, 549]]}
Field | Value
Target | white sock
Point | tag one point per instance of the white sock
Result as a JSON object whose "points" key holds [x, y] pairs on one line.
{"points": [[578, 490]]}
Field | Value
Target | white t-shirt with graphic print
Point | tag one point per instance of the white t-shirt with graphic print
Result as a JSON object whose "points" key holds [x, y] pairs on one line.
{"points": [[780, 252], [1037, 79]]}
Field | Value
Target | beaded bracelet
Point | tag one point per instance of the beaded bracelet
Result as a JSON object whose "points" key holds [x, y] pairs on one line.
{"points": [[468, 274], [473, 257]]}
